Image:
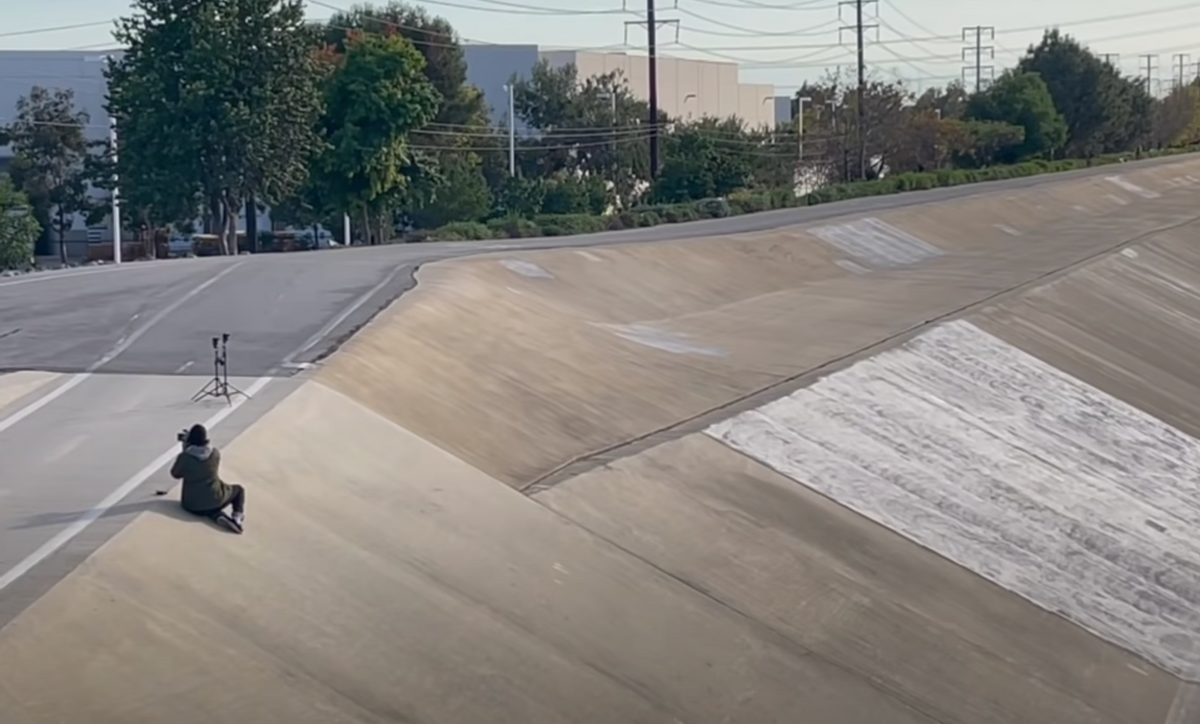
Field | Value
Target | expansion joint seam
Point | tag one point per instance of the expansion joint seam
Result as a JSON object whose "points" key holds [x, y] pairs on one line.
{"points": [[561, 472]]}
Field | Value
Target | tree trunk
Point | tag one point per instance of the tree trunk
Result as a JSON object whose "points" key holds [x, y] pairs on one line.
{"points": [[232, 208], [214, 220], [252, 224], [62, 237], [368, 240]]}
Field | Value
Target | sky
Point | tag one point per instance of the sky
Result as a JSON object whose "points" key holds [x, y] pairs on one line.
{"points": [[783, 42]]}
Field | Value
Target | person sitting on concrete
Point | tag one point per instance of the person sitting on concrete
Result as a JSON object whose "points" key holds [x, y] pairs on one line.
{"points": [[204, 493]]}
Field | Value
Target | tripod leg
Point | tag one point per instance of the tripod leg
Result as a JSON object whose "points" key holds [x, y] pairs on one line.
{"points": [[209, 390]]}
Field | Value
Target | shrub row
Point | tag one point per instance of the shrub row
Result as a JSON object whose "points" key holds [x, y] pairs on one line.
{"points": [[749, 202]]}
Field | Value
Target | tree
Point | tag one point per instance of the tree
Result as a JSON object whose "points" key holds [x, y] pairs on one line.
{"points": [[463, 196], [49, 150], [374, 97], [948, 103], [594, 126], [1021, 99], [1177, 117], [983, 142], [885, 106], [461, 124], [1104, 111], [19, 230], [702, 161], [221, 96]]}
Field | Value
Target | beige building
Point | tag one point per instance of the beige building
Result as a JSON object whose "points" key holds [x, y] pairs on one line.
{"points": [[687, 89]]}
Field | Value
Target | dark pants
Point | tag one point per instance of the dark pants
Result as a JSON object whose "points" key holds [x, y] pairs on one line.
{"points": [[237, 500]]}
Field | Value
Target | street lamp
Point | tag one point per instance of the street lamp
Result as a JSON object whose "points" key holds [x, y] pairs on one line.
{"points": [[800, 127]]}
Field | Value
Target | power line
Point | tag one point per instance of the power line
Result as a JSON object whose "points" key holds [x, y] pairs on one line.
{"points": [[55, 29]]}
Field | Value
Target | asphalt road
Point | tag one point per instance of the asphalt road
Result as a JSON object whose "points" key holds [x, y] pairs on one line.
{"points": [[81, 454]]}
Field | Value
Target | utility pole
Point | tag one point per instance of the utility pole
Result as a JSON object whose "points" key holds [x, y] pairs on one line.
{"points": [[1113, 59], [978, 49], [1149, 61], [512, 126], [652, 22], [1182, 60], [800, 128], [116, 192], [860, 93]]}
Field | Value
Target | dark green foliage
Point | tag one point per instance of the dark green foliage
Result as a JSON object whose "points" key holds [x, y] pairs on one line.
{"points": [[1104, 111], [50, 152], [19, 230], [217, 102], [1017, 100]]}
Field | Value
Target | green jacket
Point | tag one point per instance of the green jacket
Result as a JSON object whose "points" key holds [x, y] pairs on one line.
{"points": [[203, 490]]}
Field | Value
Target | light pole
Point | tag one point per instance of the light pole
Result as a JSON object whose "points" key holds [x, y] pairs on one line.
{"points": [[116, 193], [800, 127], [512, 129], [686, 98]]}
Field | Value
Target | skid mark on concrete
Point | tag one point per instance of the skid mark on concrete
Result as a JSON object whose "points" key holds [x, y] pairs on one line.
{"points": [[663, 340], [526, 269], [877, 243], [1051, 488], [1122, 182]]}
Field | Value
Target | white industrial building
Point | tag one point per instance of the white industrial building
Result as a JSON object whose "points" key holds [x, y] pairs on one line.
{"points": [[687, 89]]}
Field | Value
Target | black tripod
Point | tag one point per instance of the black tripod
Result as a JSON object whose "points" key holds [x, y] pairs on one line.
{"points": [[219, 385]]}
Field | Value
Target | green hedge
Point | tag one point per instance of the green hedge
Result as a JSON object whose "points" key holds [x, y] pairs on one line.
{"points": [[750, 202]]}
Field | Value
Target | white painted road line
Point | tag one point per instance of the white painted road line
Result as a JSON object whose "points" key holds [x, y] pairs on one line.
{"points": [[91, 516], [77, 379], [162, 314], [41, 402], [333, 324]]}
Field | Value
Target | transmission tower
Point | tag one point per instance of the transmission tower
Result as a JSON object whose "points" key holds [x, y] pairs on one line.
{"points": [[1181, 61], [1149, 66], [859, 29], [976, 51], [652, 24]]}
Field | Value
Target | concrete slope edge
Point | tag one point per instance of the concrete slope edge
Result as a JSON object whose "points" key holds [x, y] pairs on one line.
{"points": [[699, 421], [777, 218]]}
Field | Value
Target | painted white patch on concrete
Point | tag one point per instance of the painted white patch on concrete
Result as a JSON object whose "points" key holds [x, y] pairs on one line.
{"points": [[876, 242], [1119, 201], [589, 256], [526, 269], [1132, 254], [1049, 487], [1008, 229], [663, 340], [1131, 187], [852, 267]]}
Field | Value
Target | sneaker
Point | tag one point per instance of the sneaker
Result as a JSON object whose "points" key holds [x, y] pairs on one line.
{"points": [[229, 522], [240, 519]]}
